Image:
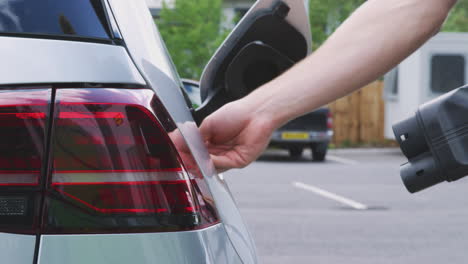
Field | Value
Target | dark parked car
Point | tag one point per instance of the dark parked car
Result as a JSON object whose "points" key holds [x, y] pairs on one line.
{"points": [[313, 130]]}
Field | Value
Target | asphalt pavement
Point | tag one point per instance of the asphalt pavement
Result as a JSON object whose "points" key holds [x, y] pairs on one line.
{"points": [[352, 208]]}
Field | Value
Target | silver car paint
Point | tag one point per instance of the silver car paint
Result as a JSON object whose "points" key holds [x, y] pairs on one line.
{"points": [[26, 60], [110, 64], [17, 249], [145, 46], [207, 246], [147, 50], [148, 53]]}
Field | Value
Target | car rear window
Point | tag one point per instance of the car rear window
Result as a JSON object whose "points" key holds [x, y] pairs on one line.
{"points": [[83, 18]]}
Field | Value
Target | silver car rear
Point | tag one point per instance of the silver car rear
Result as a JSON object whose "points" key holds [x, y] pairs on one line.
{"points": [[101, 160], [65, 54]]}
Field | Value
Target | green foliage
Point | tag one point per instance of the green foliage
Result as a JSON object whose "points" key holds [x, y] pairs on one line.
{"points": [[192, 32], [326, 16], [458, 18], [192, 29]]}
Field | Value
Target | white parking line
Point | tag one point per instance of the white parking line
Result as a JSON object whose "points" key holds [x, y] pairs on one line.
{"points": [[342, 160], [335, 197]]}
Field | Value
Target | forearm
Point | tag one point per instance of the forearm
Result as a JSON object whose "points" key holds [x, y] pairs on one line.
{"points": [[374, 39]]}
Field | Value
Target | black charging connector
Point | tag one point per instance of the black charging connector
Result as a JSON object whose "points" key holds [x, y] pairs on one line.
{"points": [[435, 141]]}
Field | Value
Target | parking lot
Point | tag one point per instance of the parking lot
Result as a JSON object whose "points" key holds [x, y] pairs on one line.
{"points": [[352, 208]]}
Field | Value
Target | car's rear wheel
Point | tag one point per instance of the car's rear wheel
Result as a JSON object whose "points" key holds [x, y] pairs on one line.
{"points": [[295, 152], [319, 151]]}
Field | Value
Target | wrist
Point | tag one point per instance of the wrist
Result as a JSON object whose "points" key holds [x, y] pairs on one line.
{"points": [[265, 108]]}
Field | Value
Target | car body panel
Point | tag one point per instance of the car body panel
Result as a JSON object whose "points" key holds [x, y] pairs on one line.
{"points": [[143, 61], [141, 36], [195, 247], [17, 249], [62, 61], [144, 45]]}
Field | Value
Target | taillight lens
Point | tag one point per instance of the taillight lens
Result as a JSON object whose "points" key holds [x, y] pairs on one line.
{"points": [[329, 120], [115, 167], [23, 121]]}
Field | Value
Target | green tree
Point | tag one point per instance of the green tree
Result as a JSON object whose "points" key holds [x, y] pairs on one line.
{"points": [[326, 16], [192, 32], [458, 18]]}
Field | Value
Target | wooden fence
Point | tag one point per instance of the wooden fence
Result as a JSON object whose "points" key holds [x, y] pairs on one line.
{"points": [[359, 117]]}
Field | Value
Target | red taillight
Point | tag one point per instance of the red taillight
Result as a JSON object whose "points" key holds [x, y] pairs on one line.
{"points": [[10, 116], [329, 120], [110, 166], [128, 192], [116, 169], [21, 143], [77, 115], [110, 137], [131, 197], [23, 122]]}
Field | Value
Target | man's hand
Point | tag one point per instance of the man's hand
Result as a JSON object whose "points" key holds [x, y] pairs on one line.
{"points": [[235, 135]]}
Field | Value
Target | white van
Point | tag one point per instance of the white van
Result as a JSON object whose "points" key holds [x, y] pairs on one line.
{"points": [[436, 68]]}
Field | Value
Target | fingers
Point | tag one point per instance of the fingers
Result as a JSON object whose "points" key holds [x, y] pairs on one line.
{"points": [[227, 161], [206, 131], [221, 170], [223, 163]]}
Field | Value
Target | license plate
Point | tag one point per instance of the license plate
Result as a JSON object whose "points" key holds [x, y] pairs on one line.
{"points": [[291, 135]]}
